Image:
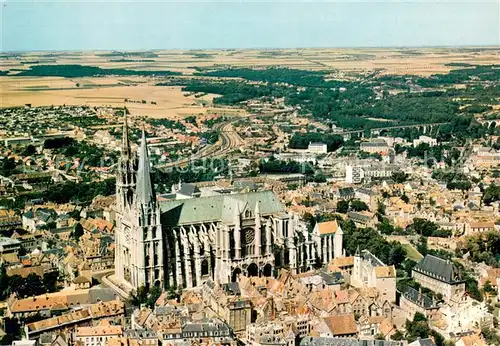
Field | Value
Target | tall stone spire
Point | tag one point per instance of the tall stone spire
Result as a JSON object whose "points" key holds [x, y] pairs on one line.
{"points": [[145, 193], [126, 151]]}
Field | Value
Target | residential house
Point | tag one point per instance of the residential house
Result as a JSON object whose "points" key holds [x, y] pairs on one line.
{"points": [[340, 326]]}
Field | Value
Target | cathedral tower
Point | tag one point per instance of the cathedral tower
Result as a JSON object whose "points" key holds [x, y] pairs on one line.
{"points": [[138, 236]]}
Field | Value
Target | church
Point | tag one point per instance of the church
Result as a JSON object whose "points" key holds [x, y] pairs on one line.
{"points": [[184, 242]]}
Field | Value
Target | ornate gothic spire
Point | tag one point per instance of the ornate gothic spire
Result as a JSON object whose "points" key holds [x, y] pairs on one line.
{"points": [[126, 151], [145, 193]]}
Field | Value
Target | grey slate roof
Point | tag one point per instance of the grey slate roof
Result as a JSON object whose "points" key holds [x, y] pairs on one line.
{"points": [[438, 268], [346, 191], [358, 216], [420, 299], [245, 184], [189, 189], [217, 208], [139, 334], [206, 325], [331, 278], [232, 288], [374, 261]]}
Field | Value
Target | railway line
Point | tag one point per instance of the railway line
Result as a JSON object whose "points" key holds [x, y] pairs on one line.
{"points": [[228, 140]]}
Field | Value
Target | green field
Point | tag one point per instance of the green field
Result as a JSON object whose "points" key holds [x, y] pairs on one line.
{"points": [[412, 253]]}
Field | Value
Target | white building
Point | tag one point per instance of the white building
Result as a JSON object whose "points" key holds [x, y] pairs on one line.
{"points": [[98, 335], [425, 139], [317, 148], [353, 174], [369, 271]]}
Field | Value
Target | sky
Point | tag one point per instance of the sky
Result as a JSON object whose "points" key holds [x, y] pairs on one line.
{"points": [[138, 25]]}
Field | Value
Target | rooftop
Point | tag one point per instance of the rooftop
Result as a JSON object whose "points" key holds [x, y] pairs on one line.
{"points": [[328, 227], [341, 324], [438, 268], [218, 208]]}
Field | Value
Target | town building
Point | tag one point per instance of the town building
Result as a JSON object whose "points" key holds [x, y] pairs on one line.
{"points": [[328, 240], [425, 139], [369, 271], [339, 326], [375, 145], [317, 148], [413, 301], [440, 276], [98, 335]]}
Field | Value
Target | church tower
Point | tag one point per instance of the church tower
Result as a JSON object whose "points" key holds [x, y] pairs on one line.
{"points": [[125, 192], [149, 233], [138, 236], [127, 165]]}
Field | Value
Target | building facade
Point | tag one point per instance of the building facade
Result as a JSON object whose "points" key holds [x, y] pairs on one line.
{"points": [[183, 243], [440, 276], [369, 271]]}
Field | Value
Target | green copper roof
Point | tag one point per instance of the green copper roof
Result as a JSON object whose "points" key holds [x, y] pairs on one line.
{"points": [[218, 208]]}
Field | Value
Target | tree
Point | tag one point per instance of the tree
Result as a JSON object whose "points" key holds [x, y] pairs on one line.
{"points": [[358, 205], [405, 198], [342, 206], [488, 289], [50, 280], [140, 296], [77, 231], [29, 150], [490, 336], [399, 177], [438, 338], [4, 282], [397, 335], [154, 294], [418, 328], [397, 254], [491, 194]]}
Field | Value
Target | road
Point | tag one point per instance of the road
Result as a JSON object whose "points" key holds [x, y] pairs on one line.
{"points": [[99, 275]]}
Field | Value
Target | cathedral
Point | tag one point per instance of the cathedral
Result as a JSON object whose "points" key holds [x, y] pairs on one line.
{"points": [[184, 242]]}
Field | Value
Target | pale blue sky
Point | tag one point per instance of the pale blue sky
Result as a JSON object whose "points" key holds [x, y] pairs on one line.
{"points": [[136, 25]]}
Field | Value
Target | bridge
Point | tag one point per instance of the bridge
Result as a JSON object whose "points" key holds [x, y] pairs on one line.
{"points": [[424, 128], [489, 123]]}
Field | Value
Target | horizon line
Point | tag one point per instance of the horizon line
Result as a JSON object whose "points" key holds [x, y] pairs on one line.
{"points": [[484, 46]]}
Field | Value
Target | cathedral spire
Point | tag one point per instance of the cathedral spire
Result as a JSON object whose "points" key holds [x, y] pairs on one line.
{"points": [[126, 151], [145, 193]]}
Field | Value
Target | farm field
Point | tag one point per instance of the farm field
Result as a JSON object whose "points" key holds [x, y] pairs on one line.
{"points": [[144, 98]]}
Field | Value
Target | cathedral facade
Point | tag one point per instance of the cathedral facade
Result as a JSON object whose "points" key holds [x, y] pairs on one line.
{"points": [[184, 242]]}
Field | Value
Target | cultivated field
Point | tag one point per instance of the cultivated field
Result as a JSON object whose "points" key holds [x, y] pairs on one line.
{"points": [[172, 102]]}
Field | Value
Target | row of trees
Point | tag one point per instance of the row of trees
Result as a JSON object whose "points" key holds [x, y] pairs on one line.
{"points": [[72, 71], [271, 165], [481, 248], [80, 193], [301, 140]]}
